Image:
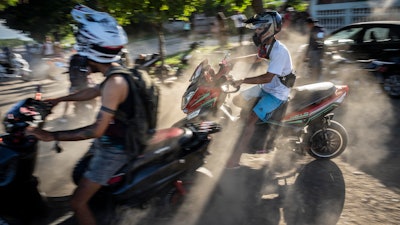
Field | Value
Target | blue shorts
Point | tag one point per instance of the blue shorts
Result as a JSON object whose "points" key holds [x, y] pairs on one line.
{"points": [[266, 105], [107, 160]]}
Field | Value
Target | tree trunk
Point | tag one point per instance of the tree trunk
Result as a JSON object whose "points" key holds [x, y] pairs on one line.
{"points": [[161, 45], [257, 6]]}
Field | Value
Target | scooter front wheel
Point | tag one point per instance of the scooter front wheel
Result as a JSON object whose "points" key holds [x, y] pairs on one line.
{"points": [[329, 142]]}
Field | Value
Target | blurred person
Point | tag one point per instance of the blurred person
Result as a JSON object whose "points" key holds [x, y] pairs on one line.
{"points": [[48, 47], [99, 42], [238, 20], [315, 48], [78, 72], [271, 89], [187, 28], [287, 18], [222, 29]]}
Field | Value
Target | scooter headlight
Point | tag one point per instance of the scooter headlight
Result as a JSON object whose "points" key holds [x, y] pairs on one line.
{"points": [[186, 98]]}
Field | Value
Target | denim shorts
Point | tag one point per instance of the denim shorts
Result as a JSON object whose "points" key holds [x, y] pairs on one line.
{"points": [[108, 158]]}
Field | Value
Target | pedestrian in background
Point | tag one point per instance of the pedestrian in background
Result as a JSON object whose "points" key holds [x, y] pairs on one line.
{"points": [[315, 49], [238, 20], [48, 47], [222, 31], [187, 28]]}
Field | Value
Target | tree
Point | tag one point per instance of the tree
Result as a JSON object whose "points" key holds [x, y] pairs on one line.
{"points": [[154, 12], [40, 17], [257, 6], [6, 3]]}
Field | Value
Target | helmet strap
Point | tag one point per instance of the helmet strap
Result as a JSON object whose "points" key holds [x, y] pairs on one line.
{"points": [[270, 46], [262, 51]]}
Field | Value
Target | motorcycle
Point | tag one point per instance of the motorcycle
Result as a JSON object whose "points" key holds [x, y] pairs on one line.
{"points": [[162, 173], [305, 122], [14, 66], [388, 75]]}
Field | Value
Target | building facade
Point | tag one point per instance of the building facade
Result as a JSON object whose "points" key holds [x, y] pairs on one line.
{"points": [[333, 14]]}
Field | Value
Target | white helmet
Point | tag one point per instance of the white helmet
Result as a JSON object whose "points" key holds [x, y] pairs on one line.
{"points": [[99, 37], [271, 21]]}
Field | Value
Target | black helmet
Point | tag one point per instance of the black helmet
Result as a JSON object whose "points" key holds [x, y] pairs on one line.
{"points": [[271, 21]]}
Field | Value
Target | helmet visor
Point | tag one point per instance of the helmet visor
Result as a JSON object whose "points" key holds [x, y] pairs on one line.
{"points": [[259, 25]]}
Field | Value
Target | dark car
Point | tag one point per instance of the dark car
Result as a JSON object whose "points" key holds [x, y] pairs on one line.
{"points": [[366, 40]]}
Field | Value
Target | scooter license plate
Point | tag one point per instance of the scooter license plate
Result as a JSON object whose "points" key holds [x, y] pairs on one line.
{"points": [[193, 114]]}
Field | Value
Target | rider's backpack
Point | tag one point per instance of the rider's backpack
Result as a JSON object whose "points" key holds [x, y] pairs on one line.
{"points": [[141, 126]]}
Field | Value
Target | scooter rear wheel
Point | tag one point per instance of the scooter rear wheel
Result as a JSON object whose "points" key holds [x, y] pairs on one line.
{"points": [[328, 143]]}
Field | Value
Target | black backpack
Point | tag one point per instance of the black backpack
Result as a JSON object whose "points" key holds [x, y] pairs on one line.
{"points": [[141, 126]]}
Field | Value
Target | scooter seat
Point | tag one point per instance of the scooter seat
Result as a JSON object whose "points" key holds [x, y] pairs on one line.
{"points": [[306, 95], [168, 141], [171, 137]]}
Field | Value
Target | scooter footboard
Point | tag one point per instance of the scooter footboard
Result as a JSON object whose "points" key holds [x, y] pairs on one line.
{"points": [[149, 181], [154, 178]]}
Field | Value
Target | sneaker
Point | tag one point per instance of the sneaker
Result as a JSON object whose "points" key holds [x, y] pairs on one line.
{"points": [[264, 151], [235, 167], [232, 166]]}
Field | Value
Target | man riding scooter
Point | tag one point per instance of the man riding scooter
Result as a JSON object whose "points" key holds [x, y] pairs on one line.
{"points": [[272, 88]]}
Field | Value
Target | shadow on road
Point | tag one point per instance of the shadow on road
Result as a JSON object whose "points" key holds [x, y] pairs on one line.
{"points": [[249, 196]]}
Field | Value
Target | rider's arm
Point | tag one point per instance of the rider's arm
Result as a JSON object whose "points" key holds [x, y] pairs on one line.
{"points": [[113, 93], [261, 79], [82, 95], [247, 59]]}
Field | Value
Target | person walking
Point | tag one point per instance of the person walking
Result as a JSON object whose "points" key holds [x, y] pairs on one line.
{"points": [[271, 89], [48, 47], [222, 29], [100, 42], [78, 72], [238, 20], [315, 48]]}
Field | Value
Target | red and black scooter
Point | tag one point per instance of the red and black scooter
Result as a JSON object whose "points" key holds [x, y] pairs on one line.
{"points": [[305, 123], [163, 171]]}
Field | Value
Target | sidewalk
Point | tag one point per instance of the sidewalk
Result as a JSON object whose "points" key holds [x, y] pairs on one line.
{"points": [[175, 44]]}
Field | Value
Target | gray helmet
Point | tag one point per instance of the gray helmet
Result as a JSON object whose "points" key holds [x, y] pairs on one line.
{"points": [[271, 21]]}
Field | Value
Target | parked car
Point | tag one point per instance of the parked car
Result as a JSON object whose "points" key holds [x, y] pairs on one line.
{"points": [[366, 40], [356, 43]]}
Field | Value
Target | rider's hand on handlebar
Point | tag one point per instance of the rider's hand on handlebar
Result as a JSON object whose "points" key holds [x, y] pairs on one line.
{"points": [[236, 83], [52, 102]]}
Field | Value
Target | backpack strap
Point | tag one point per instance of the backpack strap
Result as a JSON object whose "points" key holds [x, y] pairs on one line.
{"points": [[136, 86]]}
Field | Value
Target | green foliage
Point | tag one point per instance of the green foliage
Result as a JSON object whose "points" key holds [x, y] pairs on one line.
{"points": [[151, 11], [6, 3], [40, 18]]}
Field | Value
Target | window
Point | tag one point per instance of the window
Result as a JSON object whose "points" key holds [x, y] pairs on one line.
{"points": [[350, 33], [376, 34]]}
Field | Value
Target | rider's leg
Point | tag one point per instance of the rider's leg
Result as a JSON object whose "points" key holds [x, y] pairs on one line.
{"points": [[243, 141], [80, 201], [257, 141]]}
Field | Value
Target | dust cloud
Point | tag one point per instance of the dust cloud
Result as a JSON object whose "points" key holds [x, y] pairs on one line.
{"points": [[231, 196], [236, 197]]}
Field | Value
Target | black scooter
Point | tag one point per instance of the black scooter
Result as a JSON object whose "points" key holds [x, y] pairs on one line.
{"points": [[159, 173], [388, 75]]}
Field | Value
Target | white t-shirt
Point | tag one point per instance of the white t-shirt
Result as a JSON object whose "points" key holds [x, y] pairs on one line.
{"points": [[238, 20], [48, 48], [280, 63]]}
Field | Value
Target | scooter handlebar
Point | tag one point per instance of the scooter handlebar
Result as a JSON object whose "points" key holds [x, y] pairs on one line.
{"points": [[226, 86]]}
